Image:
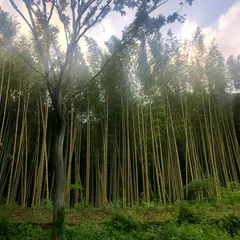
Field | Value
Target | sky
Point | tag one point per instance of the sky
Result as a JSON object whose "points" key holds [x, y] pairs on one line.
{"points": [[219, 19]]}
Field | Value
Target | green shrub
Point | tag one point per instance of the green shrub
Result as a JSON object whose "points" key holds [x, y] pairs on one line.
{"points": [[231, 194], [200, 189], [191, 224], [171, 231], [5, 225], [187, 215], [124, 223], [231, 224], [128, 229], [30, 232], [87, 231]]}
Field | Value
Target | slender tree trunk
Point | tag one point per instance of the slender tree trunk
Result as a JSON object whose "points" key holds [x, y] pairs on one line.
{"points": [[105, 157], [87, 184]]}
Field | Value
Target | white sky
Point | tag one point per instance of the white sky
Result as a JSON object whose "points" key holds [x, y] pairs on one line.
{"points": [[226, 29]]}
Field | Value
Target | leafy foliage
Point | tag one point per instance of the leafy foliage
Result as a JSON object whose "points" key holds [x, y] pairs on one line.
{"points": [[8, 28], [196, 188], [225, 229]]}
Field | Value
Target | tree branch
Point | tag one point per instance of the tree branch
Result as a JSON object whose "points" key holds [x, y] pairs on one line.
{"points": [[119, 49], [157, 6], [50, 89], [26, 61], [94, 22], [56, 52], [52, 70], [82, 8], [63, 23], [73, 6], [51, 11], [34, 31], [45, 10], [74, 41], [16, 8]]}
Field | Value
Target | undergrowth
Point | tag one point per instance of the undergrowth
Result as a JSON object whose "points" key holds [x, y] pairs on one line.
{"points": [[188, 226], [127, 227], [186, 220]]}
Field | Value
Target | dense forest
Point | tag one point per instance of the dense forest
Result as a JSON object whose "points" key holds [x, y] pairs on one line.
{"points": [[161, 117], [147, 120]]}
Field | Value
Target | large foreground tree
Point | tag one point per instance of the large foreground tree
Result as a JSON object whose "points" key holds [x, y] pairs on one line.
{"points": [[77, 17]]}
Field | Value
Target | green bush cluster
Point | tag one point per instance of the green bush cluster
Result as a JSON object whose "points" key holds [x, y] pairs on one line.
{"points": [[231, 194], [200, 189], [127, 227], [194, 221]]}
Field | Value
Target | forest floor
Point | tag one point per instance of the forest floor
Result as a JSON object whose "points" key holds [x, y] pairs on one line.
{"points": [[186, 220], [42, 214]]}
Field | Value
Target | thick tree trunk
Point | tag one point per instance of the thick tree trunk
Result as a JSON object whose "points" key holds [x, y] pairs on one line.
{"points": [[59, 182], [60, 176]]}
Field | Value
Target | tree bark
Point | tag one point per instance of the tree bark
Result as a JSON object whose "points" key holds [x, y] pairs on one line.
{"points": [[60, 176]]}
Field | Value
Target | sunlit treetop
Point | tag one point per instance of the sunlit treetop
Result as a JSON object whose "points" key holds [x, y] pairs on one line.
{"points": [[79, 16]]}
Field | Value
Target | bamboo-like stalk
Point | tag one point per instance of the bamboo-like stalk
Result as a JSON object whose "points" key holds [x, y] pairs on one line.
{"points": [[105, 156], [162, 168], [154, 153], [99, 183], [4, 129], [169, 157], [213, 153], [17, 171], [204, 148], [129, 169], [5, 157], [187, 153], [36, 156], [141, 149], [2, 78], [221, 148], [87, 185], [136, 188], [24, 202], [14, 152], [44, 115], [73, 132], [5, 108], [115, 169], [123, 163], [145, 155], [77, 151], [233, 146]]}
